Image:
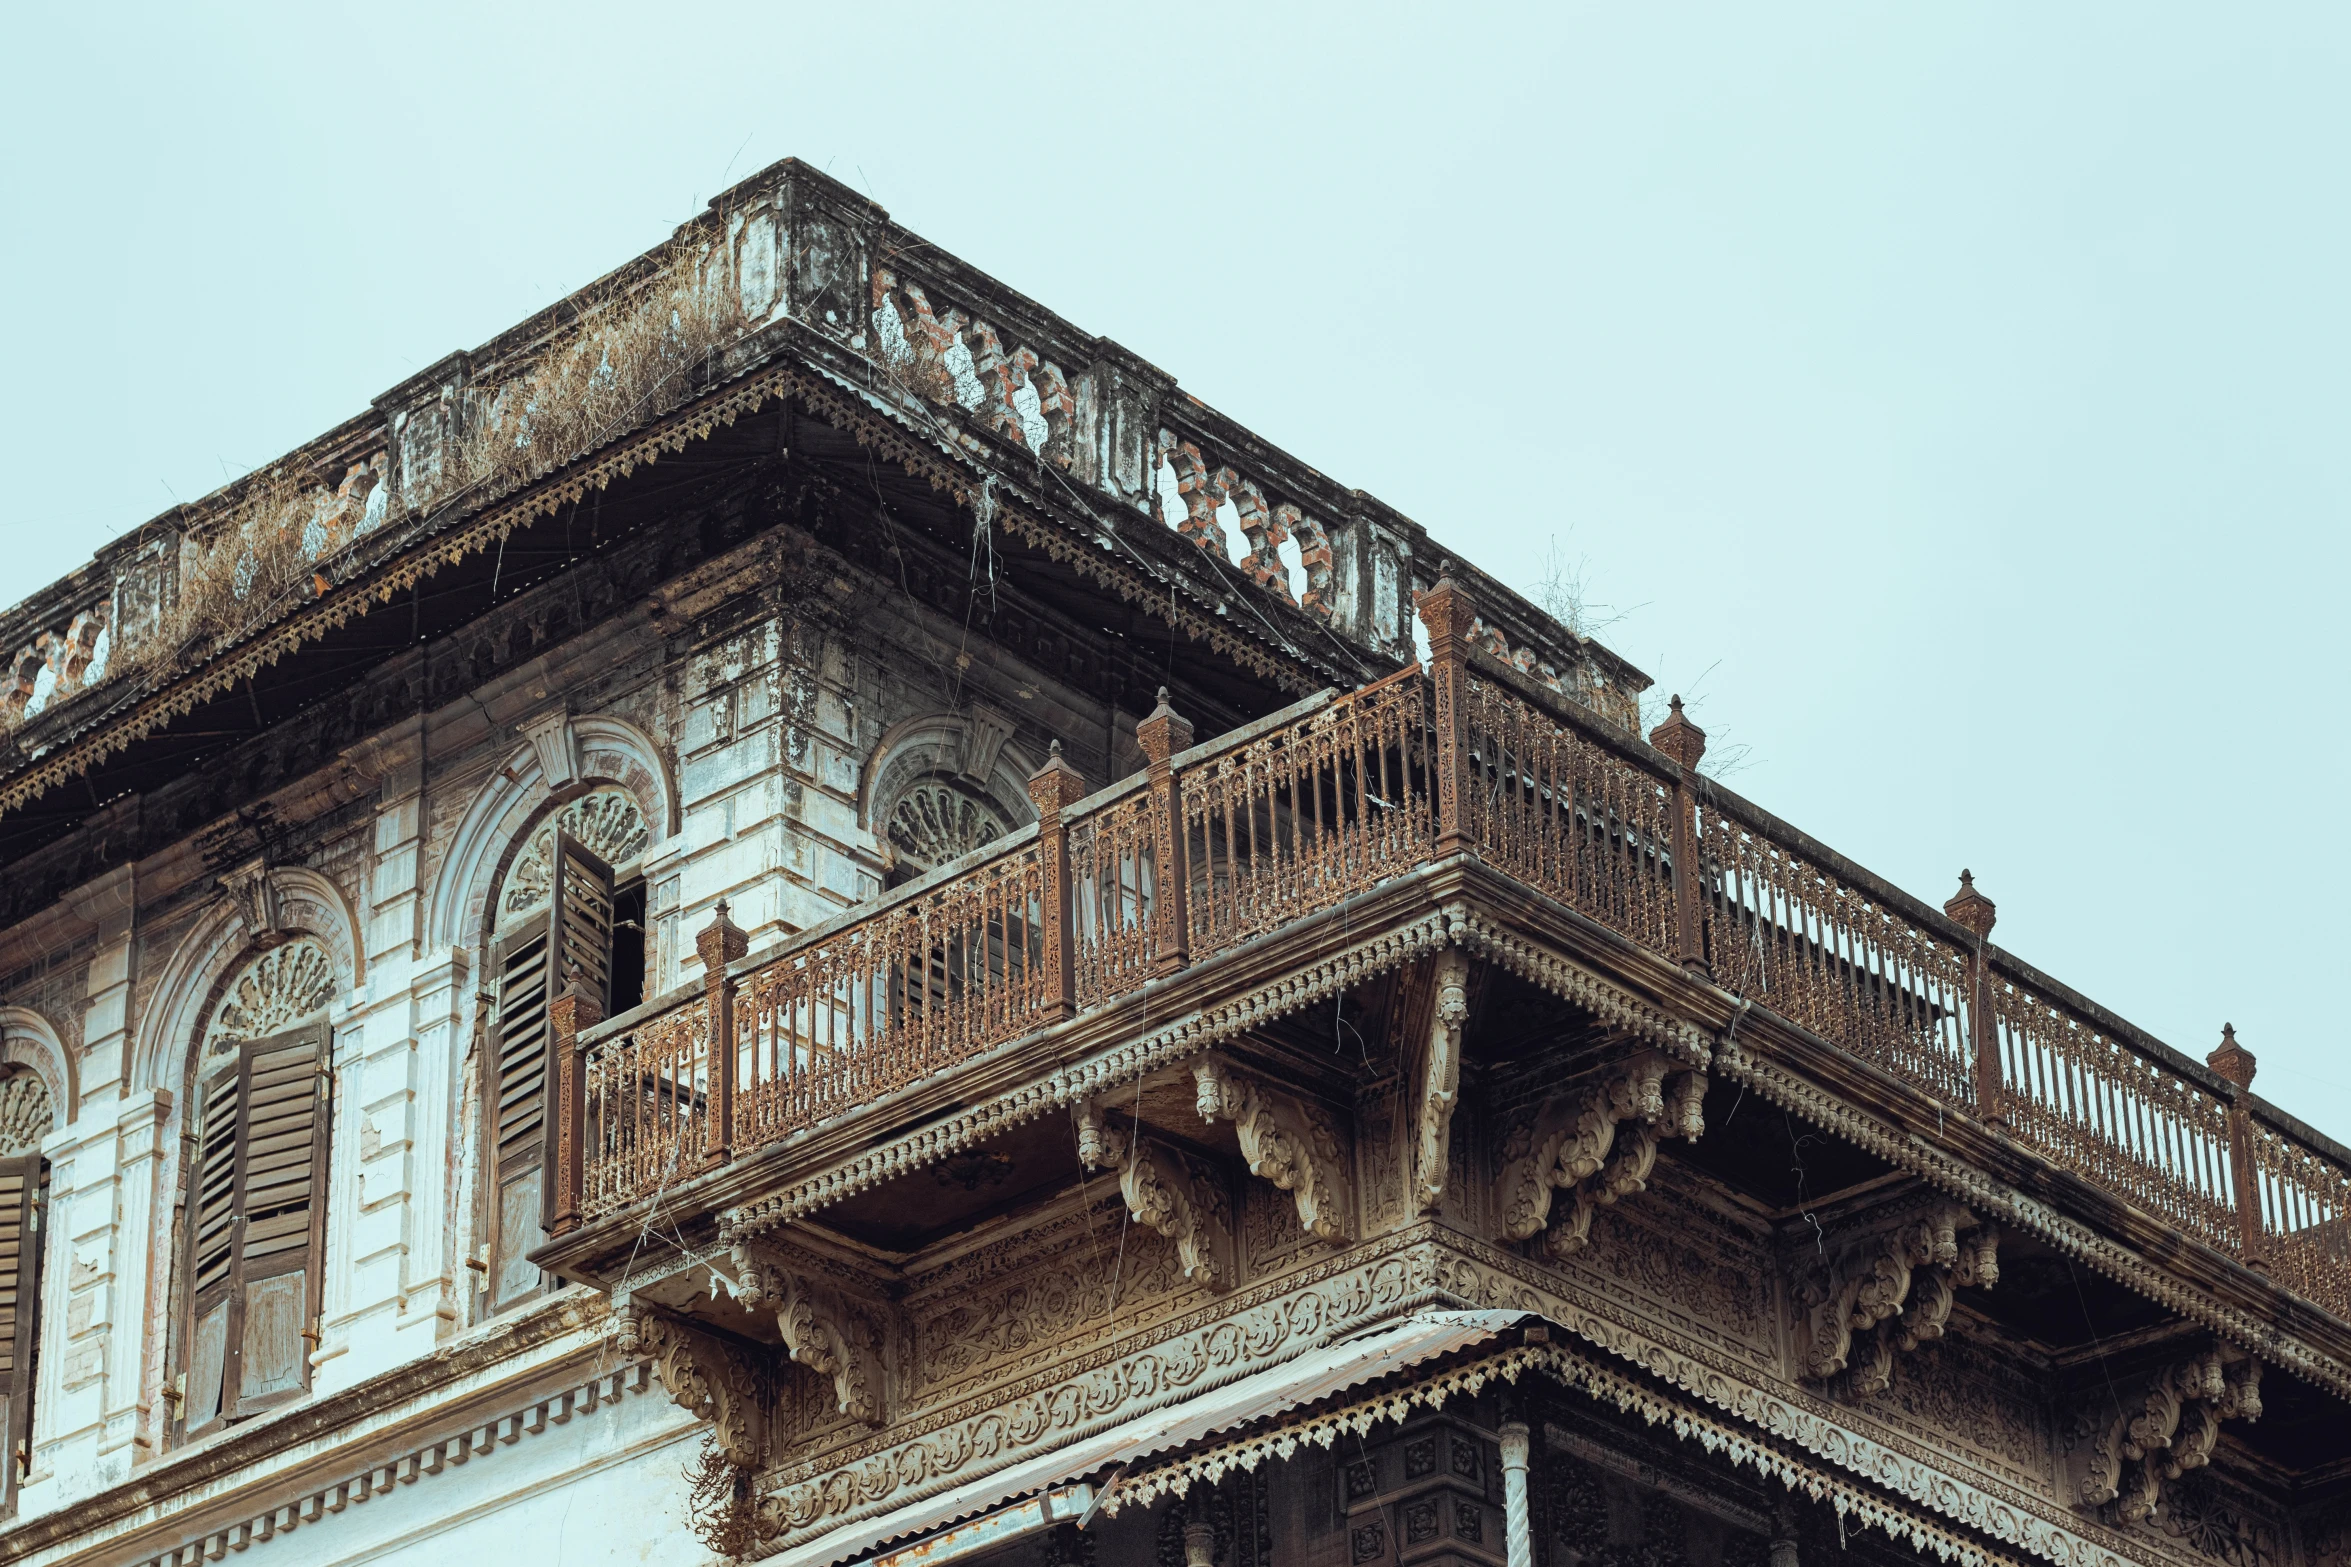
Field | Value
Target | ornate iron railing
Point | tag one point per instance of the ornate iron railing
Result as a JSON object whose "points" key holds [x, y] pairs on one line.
{"points": [[1222, 843]]}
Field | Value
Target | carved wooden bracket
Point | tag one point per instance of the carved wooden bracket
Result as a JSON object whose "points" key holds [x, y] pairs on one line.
{"points": [[728, 1386], [1440, 1082], [1889, 1289], [1598, 1145], [1164, 1190], [1287, 1140], [823, 1329], [2157, 1427]]}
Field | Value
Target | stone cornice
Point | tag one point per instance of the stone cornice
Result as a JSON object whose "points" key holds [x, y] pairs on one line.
{"points": [[438, 1388]]}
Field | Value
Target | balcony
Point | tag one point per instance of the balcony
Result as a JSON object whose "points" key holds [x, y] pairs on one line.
{"points": [[1120, 934]]}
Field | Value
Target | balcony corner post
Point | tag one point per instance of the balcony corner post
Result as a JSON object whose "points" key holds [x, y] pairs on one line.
{"points": [[1974, 913], [1448, 616], [568, 1016], [2235, 1063], [720, 943], [1053, 788], [1685, 742], [1162, 736]]}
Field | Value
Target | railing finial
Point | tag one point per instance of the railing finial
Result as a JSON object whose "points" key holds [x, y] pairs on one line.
{"points": [[1680, 739], [2232, 1060], [1970, 909]]}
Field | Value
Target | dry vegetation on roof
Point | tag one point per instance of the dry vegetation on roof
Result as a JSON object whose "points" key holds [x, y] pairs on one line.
{"points": [[628, 354]]}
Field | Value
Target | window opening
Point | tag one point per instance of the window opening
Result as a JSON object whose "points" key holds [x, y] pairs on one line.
{"points": [[25, 1119]]}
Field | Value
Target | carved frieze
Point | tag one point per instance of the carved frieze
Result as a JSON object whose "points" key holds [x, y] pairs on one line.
{"points": [[2131, 1439], [1168, 1192], [1597, 1144], [1286, 1139], [1888, 1289], [1029, 1300]]}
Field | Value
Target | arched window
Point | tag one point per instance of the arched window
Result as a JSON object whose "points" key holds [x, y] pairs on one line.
{"points": [[570, 911], [255, 1223], [936, 819], [25, 1119]]}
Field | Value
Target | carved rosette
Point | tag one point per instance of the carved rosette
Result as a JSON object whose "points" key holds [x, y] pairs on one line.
{"points": [[1889, 1290], [2157, 1427], [1287, 1140], [1164, 1190], [1597, 1145]]}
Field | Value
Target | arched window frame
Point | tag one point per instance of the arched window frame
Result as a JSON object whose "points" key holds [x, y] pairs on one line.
{"points": [[249, 1257], [596, 897]]}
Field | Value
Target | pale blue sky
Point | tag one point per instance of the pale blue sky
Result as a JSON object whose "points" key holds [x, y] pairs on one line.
{"points": [[1958, 391]]}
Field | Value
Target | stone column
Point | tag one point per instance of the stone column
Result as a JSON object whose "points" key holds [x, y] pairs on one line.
{"points": [[1517, 1532]]}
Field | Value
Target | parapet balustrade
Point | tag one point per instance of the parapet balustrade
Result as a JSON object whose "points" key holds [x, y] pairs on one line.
{"points": [[1217, 844]]}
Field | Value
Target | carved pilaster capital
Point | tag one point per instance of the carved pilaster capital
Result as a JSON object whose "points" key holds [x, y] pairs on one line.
{"points": [[1288, 1140], [1597, 1143], [1888, 1289], [835, 1337], [2134, 1437], [727, 1385]]}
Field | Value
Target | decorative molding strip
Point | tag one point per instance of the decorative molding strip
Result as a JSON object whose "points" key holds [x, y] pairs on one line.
{"points": [[1585, 1376], [1573, 982], [1239, 1335], [1074, 1084], [442, 1453], [1839, 1433], [1984, 1194]]}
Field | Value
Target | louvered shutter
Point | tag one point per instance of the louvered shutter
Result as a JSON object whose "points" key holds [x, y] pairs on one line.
{"points": [[259, 1234], [571, 943], [20, 1306]]}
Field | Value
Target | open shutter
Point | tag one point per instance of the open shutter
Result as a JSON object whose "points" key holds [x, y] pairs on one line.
{"points": [[570, 944], [20, 1307], [259, 1238]]}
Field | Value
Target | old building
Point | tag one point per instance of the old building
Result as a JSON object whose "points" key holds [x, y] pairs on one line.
{"points": [[798, 912]]}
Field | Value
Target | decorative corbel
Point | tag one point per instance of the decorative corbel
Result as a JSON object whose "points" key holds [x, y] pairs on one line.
{"points": [[1440, 1081], [829, 1335], [1286, 1140], [256, 896], [1598, 1145], [1890, 1290], [2165, 1423], [1162, 1190], [552, 741], [721, 1383]]}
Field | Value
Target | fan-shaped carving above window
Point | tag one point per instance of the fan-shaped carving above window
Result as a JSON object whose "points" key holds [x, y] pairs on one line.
{"points": [[936, 821], [606, 821], [25, 1116], [276, 991]]}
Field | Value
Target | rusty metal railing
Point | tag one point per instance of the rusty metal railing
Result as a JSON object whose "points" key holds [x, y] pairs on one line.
{"points": [[1219, 844]]}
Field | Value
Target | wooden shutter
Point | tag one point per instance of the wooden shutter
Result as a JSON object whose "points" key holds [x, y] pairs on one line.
{"points": [[20, 1307], [571, 943], [258, 1236]]}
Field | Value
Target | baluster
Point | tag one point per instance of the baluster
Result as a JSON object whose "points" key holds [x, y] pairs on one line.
{"points": [[1162, 736], [568, 1016], [2235, 1064]]}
